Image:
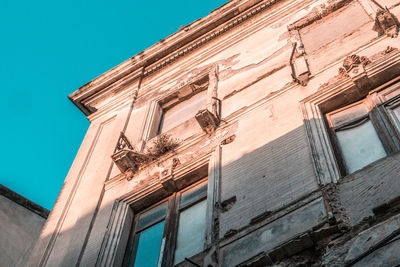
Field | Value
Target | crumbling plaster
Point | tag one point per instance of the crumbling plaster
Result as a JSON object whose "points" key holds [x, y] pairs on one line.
{"points": [[266, 165]]}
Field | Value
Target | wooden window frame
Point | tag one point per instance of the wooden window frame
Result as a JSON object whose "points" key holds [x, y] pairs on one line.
{"points": [[170, 232]]}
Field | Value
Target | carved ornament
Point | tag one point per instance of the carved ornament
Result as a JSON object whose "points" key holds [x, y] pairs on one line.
{"points": [[354, 68], [126, 159], [123, 143], [386, 23], [353, 65]]}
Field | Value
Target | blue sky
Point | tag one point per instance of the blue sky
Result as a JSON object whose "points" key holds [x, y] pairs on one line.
{"points": [[48, 50]]}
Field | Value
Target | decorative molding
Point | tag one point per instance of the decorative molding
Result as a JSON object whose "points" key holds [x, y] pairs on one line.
{"points": [[354, 68], [115, 239], [150, 124], [123, 143], [211, 35], [208, 29], [319, 13], [214, 181], [207, 120], [70, 195]]}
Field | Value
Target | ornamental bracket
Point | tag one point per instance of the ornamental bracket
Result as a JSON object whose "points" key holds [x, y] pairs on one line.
{"points": [[126, 159], [385, 22]]}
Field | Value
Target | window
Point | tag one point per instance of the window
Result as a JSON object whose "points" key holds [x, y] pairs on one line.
{"points": [[171, 230], [189, 108], [182, 111], [394, 111], [354, 137], [348, 128]]}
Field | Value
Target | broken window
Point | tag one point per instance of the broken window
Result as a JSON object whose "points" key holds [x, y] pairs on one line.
{"points": [[170, 231], [187, 109], [182, 111], [355, 136]]}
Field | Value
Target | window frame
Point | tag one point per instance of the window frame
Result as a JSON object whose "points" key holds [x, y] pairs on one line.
{"points": [[354, 122], [170, 232], [124, 208], [372, 80], [165, 107], [153, 117]]}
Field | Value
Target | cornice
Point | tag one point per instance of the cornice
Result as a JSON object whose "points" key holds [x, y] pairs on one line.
{"points": [[212, 34], [167, 51]]}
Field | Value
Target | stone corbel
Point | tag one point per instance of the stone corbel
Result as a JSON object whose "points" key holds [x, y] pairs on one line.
{"points": [[209, 118], [386, 22], [354, 68], [126, 159], [298, 63]]}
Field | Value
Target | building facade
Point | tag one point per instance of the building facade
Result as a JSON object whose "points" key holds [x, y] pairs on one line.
{"points": [[266, 133], [21, 222]]}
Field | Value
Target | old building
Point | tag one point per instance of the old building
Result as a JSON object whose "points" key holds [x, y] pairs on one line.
{"points": [[21, 222], [265, 133]]}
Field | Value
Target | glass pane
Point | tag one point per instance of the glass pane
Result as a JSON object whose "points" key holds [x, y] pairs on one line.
{"points": [[151, 216], [148, 248], [183, 111], [360, 146], [193, 194], [396, 113], [191, 231]]}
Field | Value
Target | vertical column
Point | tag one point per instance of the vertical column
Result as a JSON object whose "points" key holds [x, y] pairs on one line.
{"points": [[214, 173], [115, 240]]}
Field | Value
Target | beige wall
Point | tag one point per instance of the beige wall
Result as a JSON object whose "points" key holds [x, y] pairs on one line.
{"points": [[268, 167], [19, 230]]}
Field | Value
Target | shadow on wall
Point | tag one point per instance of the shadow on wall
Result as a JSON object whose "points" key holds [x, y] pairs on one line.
{"points": [[264, 180]]}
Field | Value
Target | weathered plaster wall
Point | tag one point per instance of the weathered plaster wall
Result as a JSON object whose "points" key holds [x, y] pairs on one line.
{"points": [[19, 230], [370, 187], [268, 166]]}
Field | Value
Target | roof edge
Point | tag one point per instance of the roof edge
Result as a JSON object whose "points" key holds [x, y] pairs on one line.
{"points": [[164, 48], [24, 202]]}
